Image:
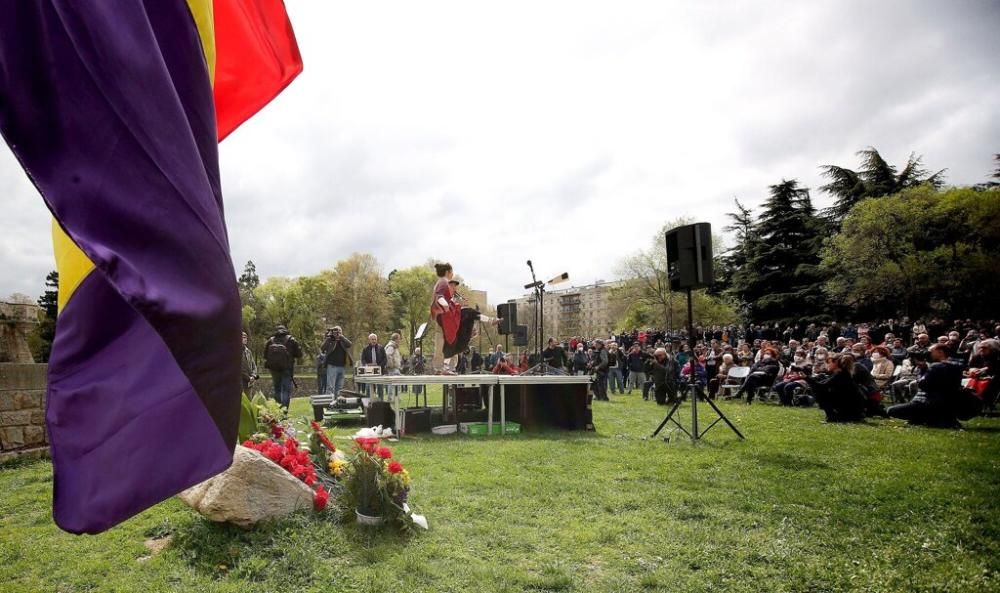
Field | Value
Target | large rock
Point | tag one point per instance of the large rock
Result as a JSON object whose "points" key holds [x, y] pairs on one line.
{"points": [[253, 489]]}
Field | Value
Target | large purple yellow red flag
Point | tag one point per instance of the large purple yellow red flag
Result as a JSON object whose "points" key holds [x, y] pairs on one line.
{"points": [[109, 106]]}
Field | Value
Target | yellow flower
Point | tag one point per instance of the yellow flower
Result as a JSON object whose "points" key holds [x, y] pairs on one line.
{"points": [[405, 477], [337, 467]]}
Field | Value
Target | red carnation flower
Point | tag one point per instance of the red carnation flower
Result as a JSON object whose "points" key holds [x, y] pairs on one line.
{"points": [[395, 467], [249, 444], [277, 431], [310, 480], [320, 498], [385, 452]]}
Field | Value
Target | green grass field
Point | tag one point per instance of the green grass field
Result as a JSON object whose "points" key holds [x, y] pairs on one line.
{"points": [[800, 506]]}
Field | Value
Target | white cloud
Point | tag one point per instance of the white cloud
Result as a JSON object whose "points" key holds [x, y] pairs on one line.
{"points": [[568, 132]]}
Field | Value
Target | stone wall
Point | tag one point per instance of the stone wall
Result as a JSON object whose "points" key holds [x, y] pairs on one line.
{"points": [[17, 321], [22, 410]]}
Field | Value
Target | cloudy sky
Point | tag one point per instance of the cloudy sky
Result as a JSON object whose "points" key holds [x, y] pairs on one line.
{"points": [[569, 132]]}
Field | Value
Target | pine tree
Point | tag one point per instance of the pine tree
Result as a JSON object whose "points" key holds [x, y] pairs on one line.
{"points": [[780, 281], [875, 178], [49, 302], [248, 281]]}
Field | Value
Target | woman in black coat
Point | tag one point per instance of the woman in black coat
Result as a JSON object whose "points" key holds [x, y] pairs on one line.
{"points": [[837, 393]]}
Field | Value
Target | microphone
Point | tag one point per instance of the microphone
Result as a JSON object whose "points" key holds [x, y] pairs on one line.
{"points": [[560, 278], [529, 264]]}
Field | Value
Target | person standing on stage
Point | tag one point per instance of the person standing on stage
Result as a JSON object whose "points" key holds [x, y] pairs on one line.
{"points": [[457, 323]]}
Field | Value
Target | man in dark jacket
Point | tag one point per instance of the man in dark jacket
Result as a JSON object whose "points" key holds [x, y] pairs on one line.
{"points": [[280, 353], [337, 357], [662, 369], [636, 364], [599, 366], [762, 374], [934, 404], [374, 354], [476, 361], [554, 355]]}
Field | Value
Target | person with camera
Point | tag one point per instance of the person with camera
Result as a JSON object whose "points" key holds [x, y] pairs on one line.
{"points": [[662, 369], [599, 368], [337, 356], [935, 402]]}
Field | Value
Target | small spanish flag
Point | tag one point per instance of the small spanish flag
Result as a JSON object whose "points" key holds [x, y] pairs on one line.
{"points": [[110, 108]]}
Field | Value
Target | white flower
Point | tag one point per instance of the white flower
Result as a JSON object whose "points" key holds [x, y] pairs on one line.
{"points": [[419, 520], [368, 433]]}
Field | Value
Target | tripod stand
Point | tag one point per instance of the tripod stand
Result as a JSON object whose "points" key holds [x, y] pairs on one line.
{"points": [[694, 432]]}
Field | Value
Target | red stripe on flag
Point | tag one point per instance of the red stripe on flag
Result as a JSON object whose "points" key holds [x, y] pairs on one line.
{"points": [[256, 57]]}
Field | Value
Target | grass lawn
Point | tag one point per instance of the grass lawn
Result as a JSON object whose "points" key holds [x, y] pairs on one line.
{"points": [[800, 506]]}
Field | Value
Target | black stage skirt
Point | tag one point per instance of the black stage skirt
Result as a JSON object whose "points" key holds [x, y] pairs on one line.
{"points": [[464, 335]]}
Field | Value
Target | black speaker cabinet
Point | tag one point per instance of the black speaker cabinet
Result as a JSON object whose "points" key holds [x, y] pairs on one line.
{"points": [[380, 413], [689, 256], [416, 420], [507, 312], [521, 335]]}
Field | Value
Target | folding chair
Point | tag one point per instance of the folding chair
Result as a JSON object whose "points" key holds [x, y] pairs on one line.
{"points": [[734, 379]]}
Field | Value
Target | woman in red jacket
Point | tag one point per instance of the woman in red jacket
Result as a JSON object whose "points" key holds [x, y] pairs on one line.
{"points": [[457, 323]]}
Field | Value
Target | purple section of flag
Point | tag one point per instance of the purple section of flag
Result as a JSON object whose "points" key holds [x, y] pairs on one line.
{"points": [[108, 107], [126, 430]]}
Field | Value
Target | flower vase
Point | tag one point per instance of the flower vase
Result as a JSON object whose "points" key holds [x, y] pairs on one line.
{"points": [[368, 520]]}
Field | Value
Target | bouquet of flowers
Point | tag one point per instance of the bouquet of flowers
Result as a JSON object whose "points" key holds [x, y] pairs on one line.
{"points": [[374, 483], [276, 441]]}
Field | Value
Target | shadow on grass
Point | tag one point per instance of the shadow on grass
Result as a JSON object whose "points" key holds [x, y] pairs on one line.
{"points": [[289, 550]]}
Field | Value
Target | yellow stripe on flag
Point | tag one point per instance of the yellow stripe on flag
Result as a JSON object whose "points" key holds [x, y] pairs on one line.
{"points": [[71, 263], [204, 19]]}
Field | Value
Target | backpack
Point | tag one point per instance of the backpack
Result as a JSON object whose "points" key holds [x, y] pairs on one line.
{"points": [[277, 357]]}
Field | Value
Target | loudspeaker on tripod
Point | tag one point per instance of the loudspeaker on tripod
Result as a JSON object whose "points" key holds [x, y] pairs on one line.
{"points": [[689, 256], [507, 312], [520, 335]]}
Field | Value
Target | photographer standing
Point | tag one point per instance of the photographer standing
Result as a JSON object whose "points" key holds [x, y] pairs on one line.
{"points": [[337, 355], [280, 353]]}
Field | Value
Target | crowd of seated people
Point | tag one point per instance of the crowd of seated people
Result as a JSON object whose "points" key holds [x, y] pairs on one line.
{"points": [[849, 370]]}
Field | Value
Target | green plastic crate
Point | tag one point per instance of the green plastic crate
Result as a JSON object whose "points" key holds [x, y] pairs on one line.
{"points": [[481, 428]]}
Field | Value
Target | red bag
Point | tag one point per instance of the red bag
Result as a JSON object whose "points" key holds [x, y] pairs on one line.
{"points": [[978, 386]]}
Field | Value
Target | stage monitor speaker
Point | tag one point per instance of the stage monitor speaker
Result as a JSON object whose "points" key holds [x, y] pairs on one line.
{"points": [[689, 256], [521, 335], [507, 312]]}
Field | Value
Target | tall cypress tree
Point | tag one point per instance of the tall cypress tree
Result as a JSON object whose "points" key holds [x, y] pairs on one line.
{"points": [[781, 281]]}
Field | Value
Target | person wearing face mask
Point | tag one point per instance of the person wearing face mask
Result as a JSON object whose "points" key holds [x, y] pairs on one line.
{"points": [[882, 366], [794, 379], [762, 374], [580, 361], [818, 358]]}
